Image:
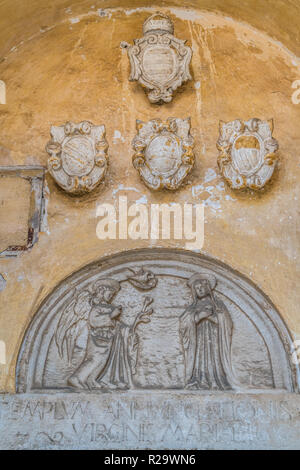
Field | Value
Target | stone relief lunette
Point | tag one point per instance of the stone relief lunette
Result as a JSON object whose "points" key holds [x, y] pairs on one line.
{"points": [[78, 156], [201, 328], [247, 153], [112, 346], [163, 152], [159, 61]]}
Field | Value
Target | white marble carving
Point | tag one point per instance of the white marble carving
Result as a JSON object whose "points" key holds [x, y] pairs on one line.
{"points": [[156, 319], [163, 152], [159, 61], [247, 155], [78, 156]]}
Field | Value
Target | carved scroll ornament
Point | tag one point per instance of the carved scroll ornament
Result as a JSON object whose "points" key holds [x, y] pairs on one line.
{"points": [[78, 156], [159, 61]]}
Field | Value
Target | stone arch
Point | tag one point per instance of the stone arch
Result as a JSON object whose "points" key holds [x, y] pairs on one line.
{"points": [[259, 332]]}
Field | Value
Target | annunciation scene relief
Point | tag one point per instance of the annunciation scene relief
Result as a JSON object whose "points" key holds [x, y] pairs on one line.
{"points": [[156, 319]]}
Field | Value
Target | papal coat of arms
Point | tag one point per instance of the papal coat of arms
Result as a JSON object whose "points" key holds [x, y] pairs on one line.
{"points": [[78, 156], [247, 155], [163, 152], [159, 61]]}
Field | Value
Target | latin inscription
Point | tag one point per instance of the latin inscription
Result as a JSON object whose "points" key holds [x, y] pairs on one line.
{"points": [[158, 421]]}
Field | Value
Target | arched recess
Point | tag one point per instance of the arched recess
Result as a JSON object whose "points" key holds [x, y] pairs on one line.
{"points": [[260, 340]]}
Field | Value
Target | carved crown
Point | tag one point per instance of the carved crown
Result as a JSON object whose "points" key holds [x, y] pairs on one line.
{"points": [[158, 21]]}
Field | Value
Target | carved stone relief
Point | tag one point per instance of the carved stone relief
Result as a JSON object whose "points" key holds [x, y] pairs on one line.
{"points": [[163, 152], [78, 156], [156, 319], [159, 61], [160, 419], [247, 155]]}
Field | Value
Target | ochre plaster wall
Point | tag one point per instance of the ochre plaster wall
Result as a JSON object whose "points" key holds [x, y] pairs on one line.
{"points": [[74, 69]]}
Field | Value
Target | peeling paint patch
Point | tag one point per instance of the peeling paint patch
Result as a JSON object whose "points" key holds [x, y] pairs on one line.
{"points": [[184, 14], [197, 189], [207, 196], [142, 200], [221, 187], [211, 196], [2, 283], [210, 175], [131, 11], [74, 20], [229, 198], [103, 13], [207, 20], [118, 137], [121, 187]]}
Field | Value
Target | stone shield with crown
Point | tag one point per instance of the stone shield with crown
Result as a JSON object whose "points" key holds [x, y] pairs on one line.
{"points": [[247, 155], [159, 61]]}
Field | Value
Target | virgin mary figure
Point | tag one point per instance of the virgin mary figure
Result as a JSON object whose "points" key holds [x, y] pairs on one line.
{"points": [[206, 334]]}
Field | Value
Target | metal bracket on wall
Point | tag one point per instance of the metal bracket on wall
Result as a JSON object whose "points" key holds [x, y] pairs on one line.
{"points": [[35, 175]]}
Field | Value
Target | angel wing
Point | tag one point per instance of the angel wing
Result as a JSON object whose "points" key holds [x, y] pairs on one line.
{"points": [[71, 324]]}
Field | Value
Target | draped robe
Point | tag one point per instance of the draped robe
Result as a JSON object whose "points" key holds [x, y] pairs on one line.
{"points": [[108, 361], [207, 348]]}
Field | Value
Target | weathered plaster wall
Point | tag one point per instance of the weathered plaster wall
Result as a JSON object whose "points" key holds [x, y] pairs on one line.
{"points": [[73, 68], [14, 210], [20, 20]]}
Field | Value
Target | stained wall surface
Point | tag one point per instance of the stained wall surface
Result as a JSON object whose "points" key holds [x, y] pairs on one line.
{"points": [[64, 62]]}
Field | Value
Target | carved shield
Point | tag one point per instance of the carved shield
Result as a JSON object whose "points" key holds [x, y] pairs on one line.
{"points": [[246, 154], [163, 152], [78, 156], [159, 61], [159, 64]]}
